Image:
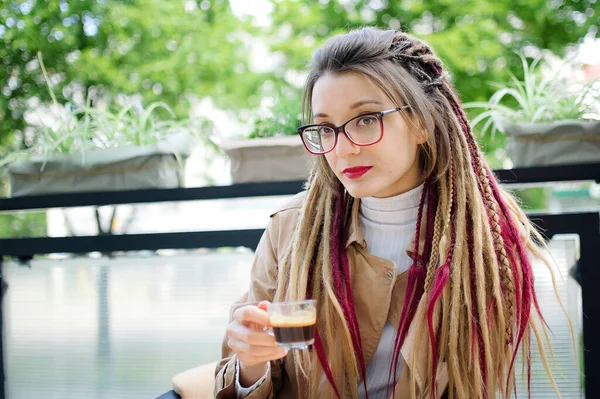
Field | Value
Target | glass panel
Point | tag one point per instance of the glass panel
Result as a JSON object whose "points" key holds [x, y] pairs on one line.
{"points": [[116, 328], [564, 250]]}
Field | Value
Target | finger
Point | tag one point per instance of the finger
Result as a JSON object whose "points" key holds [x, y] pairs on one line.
{"points": [[252, 314], [251, 336], [263, 305], [239, 346]]}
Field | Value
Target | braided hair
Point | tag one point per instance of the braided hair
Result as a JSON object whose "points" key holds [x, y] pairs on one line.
{"points": [[470, 287]]}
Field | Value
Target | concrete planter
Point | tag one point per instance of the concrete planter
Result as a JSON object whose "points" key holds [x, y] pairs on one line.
{"points": [[124, 168], [267, 159], [553, 143]]}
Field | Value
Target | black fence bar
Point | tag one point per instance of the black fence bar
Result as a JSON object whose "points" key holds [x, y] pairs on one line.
{"points": [[560, 173], [101, 198], [29, 247], [550, 174], [549, 225]]}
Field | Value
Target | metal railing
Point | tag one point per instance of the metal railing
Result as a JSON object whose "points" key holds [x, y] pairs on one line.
{"points": [[585, 224]]}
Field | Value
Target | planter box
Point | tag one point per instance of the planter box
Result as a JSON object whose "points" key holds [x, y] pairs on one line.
{"points": [[553, 143], [268, 159], [123, 168]]}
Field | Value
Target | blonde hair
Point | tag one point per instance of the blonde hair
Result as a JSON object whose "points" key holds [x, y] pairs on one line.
{"points": [[470, 289]]}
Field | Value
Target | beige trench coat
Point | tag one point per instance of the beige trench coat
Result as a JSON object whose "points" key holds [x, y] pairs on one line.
{"points": [[379, 296]]}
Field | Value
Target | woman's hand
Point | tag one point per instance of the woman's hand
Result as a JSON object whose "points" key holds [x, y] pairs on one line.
{"points": [[254, 347]]}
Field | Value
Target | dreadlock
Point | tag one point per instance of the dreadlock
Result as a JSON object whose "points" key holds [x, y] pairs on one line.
{"points": [[470, 288]]}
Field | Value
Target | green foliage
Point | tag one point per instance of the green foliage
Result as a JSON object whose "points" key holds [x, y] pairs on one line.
{"points": [[89, 128], [535, 99], [167, 51], [83, 128], [283, 118], [26, 224], [162, 50], [534, 198]]}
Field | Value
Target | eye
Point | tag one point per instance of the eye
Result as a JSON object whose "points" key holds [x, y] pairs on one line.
{"points": [[366, 120], [325, 130]]}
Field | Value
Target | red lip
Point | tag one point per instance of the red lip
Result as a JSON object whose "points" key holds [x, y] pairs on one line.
{"points": [[356, 172]]}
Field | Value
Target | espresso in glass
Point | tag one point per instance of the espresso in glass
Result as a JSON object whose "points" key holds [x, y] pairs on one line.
{"points": [[293, 323]]}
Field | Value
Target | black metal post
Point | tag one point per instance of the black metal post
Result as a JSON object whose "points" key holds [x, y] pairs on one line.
{"points": [[590, 276], [3, 286]]}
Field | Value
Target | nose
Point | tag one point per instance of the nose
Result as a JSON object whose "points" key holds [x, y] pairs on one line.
{"points": [[345, 147]]}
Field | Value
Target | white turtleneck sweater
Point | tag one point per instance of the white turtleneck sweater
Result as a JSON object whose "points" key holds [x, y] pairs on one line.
{"points": [[388, 225]]}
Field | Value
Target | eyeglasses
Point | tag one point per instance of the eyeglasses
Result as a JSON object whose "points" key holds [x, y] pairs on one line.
{"points": [[362, 130]]}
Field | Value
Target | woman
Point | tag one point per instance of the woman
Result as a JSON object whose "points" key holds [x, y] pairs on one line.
{"points": [[395, 160]]}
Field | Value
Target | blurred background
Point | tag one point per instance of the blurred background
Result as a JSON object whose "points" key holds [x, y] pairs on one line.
{"points": [[97, 326]]}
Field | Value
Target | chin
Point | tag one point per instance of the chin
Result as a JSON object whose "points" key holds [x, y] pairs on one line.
{"points": [[359, 189]]}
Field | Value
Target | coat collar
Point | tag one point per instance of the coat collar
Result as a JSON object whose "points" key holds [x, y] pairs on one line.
{"points": [[355, 234]]}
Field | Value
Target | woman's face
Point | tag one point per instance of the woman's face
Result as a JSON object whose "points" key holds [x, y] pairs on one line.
{"points": [[387, 168]]}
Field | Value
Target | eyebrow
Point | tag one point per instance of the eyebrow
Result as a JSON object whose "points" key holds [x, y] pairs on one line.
{"points": [[357, 104]]}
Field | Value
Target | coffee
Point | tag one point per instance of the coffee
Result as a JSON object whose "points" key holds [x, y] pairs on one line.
{"points": [[295, 331]]}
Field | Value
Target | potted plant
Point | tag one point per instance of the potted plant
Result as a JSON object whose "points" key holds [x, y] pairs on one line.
{"points": [[93, 149], [547, 120], [273, 151]]}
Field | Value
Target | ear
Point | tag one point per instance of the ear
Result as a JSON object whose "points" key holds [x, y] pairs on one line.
{"points": [[421, 136], [419, 130]]}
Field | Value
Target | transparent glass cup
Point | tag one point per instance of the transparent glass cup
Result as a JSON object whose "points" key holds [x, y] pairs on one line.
{"points": [[293, 323]]}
